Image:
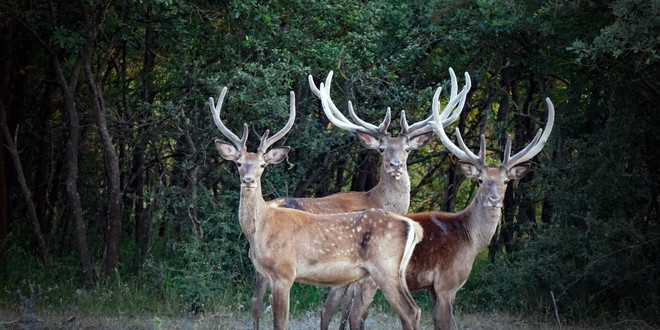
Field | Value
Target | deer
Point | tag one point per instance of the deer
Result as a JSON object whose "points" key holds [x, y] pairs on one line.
{"points": [[391, 193], [442, 261], [289, 245]]}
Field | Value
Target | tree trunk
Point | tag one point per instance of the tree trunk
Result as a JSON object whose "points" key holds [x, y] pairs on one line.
{"points": [[192, 178], [72, 149], [138, 171], [27, 195], [43, 157], [113, 222]]}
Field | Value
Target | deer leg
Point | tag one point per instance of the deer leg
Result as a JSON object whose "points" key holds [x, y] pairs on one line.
{"points": [[452, 296], [364, 293], [435, 309], [443, 317], [396, 292], [347, 302], [330, 305], [258, 299], [281, 290]]}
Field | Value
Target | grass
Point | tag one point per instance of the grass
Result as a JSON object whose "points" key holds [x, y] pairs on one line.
{"points": [[182, 299], [228, 318], [127, 306]]}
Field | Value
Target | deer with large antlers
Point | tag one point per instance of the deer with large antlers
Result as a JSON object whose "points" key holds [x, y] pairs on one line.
{"points": [[392, 192], [442, 261], [288, 245]]}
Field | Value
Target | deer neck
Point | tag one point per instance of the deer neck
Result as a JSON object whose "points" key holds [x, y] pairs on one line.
{"points": [[251, 209], [391, 194], [482, 222]]}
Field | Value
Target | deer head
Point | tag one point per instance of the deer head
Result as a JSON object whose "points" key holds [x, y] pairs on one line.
{"points": [[393, 150], [492, 180], [250, 164]]}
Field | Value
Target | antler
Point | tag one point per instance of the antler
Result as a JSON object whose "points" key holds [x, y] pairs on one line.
{"points": [[462, 152], [535, 146], [267, 142], [454, 99], [240, 143], [338, 119], [215, 109]]}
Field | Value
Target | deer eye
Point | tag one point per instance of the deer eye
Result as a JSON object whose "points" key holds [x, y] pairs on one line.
{"points": [[480, 181], [407, 149], [263, 165], [506, 181]]}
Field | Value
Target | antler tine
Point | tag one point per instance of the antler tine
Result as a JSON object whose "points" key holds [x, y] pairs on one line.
{"points": [[337, 118], [333, 108], [417, 128], [342, 123], [329, 109], [463, 153], [380, 129], [471, 157], [267, 142], [454, 99], [535, 146], [404, 123], [215, 110]]}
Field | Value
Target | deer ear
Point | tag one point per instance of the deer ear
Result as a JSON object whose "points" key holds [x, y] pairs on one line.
{"points": [[276, 155], [518, 171], [368, 140], [227, 151], [469, 170], [419, 141]]}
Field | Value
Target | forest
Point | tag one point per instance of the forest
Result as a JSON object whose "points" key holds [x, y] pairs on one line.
{"points": [[111, 185]]}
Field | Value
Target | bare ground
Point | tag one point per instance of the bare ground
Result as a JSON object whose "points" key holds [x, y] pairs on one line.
{"points": [[306, 320]]}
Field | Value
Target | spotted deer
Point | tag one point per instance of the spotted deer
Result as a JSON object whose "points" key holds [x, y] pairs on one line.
{"points": [[442, 261], [289, 245]]}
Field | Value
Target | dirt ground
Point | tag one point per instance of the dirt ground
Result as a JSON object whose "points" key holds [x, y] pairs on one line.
{"points": [[230, 321]]}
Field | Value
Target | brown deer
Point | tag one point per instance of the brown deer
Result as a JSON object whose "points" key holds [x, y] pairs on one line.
{"points": [[442, 261], [288, 245], [392, 193]]}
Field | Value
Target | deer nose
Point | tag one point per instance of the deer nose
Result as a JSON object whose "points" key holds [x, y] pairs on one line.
{"points": [[395, 163], [248, 180], [494, 200]]}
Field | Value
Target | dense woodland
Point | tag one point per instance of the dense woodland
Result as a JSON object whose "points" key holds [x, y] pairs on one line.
{"points": [[110, 175]]}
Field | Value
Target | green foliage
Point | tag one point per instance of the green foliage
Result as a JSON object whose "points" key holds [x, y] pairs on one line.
{"points": [[581, 276], [590, 239]]}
